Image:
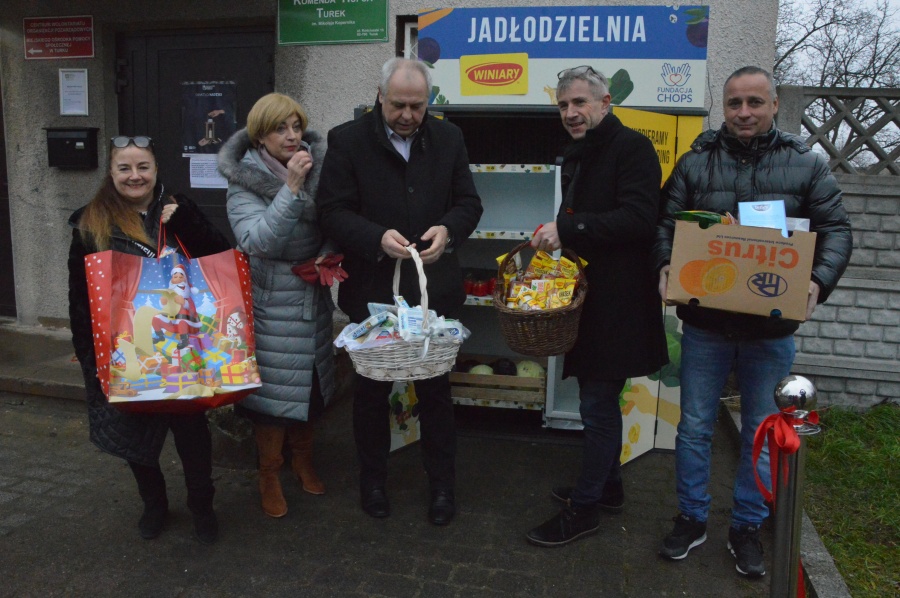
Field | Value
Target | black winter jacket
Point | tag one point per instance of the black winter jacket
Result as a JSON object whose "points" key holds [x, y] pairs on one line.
{"points": [[721, 171], [367, 188], [610, 222], [131, 436]]}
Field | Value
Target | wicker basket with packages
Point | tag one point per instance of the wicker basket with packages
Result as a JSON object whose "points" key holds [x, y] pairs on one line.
{"points": [[539, 307], [398, 342]]}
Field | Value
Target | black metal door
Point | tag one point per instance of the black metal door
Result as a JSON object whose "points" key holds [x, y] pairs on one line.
{"points": [[154, 69], [7, 281]]}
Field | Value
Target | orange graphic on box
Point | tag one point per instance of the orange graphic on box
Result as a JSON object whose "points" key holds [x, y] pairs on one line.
{"points": [[493, 74], [708, 277]]}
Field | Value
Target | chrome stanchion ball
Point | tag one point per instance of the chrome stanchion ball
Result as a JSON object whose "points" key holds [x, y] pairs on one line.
{"points": [[800, 393], [797, 392]]}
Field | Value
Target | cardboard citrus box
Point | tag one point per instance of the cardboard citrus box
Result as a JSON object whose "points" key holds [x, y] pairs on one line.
{"points": [[744, 269]]}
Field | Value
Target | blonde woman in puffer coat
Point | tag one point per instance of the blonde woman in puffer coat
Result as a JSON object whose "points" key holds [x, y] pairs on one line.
{"points": [[272, 168]]}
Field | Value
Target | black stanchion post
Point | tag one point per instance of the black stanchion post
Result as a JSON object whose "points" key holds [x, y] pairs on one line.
{"points": [[799, 393]]}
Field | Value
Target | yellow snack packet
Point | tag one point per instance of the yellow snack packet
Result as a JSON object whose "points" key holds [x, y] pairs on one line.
{"points": [[567, 268], [542, 285], [564, 288], [516, 289], [529, 302], [513, 267], [525, 300], [540, 266]]}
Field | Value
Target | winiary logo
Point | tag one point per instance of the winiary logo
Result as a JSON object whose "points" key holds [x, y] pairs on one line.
{"points": [[494, 74]]}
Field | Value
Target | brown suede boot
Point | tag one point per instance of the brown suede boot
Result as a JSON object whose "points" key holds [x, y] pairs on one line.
{"points": [[300, 438], [269, 441]]}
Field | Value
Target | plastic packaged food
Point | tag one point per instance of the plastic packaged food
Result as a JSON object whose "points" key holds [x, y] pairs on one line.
{"points": [[542, 285], [368, 324], [541, 265], [377, 308]]}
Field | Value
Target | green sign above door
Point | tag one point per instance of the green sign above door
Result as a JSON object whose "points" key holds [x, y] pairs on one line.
{"points": [[332, 21]]}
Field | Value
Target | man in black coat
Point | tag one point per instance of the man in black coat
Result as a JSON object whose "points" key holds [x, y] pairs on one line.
{"points": [[748, 159], [398, 177], [611, 179]]}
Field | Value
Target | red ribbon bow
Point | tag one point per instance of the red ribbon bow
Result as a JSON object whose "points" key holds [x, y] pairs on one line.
{"points": [[783, 439], [326, 272]]}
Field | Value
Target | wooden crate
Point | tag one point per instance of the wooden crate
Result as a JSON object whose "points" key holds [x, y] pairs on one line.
{"points": [[497, 391]]}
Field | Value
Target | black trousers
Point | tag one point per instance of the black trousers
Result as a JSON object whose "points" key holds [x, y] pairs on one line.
{"points": [[371, 430], [194, 445]]}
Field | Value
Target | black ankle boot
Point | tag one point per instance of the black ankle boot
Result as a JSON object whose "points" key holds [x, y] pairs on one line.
{"points": [[206, 526], [200, 504], [152, 488], [153, 519]]}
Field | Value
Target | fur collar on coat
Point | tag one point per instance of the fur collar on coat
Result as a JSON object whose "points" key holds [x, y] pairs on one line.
{"points": [[240, 164]]}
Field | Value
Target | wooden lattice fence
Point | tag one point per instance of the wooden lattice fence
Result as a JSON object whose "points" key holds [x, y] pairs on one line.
{"points": [[851, 347]]}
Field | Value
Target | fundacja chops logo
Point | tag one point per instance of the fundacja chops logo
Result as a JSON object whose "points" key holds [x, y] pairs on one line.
{"points": [[676, 77], [495, 73]]}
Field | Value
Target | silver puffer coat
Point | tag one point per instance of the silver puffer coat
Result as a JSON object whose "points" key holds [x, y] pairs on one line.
{"points": [[277, 229]]}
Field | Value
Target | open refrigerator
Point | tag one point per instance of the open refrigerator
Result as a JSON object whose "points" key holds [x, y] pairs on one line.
{"points": [[514, 155]]}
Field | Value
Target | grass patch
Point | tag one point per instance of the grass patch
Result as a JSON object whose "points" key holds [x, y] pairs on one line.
{"points": [[853, 496]]}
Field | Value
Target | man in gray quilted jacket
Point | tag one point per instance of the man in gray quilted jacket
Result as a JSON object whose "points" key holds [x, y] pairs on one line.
{"points": [[747, 159]]}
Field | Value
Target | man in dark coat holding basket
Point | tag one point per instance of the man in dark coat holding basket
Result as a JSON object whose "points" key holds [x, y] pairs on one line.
{"points": [[611, 180], [398, 177]]}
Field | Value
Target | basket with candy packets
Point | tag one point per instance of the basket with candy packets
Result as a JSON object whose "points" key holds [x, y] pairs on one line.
{"points": [[539, 308]]}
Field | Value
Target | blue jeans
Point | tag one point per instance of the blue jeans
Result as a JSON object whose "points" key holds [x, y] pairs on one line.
{"points": [[706, 361], [602, 420]]}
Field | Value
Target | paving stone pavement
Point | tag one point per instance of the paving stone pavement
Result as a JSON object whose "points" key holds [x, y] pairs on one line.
{"points": [[68, 516]]}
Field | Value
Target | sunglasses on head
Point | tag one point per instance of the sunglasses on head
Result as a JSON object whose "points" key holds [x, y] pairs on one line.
{"points": [[121, 141], [578, 70]]}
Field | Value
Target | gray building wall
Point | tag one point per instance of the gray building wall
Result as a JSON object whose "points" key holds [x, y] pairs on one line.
{"points": [[42, 198], [850, 347], [330, 81]]}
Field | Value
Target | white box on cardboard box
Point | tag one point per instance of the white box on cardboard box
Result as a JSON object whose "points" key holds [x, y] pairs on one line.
{"points": [[743, 269]]}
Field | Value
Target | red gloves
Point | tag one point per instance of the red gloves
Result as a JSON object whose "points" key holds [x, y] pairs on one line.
{"points": [[329, 270]]}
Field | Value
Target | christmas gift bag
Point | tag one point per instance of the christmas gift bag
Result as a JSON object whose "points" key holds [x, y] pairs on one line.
{"points": [[153, 313]]}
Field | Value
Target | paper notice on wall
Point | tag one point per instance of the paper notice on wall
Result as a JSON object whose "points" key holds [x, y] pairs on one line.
{"points": [[204, 174], [208, 115]]}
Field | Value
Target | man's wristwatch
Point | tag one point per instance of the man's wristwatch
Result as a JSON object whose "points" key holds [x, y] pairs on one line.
{"points": [[449, 236]]}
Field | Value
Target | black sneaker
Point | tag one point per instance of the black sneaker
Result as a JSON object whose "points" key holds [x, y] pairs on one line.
{"points": [[687, 533], [747, 550], [612, 500], [569, 524]]}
